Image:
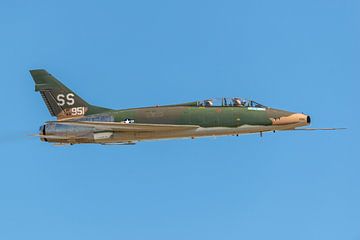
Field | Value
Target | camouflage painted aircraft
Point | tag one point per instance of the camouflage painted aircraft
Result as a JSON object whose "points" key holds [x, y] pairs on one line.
{"points": [[80, 122]]}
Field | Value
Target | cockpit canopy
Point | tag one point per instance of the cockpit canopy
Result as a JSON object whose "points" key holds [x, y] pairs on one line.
{"points": [[222, 102], [229, 102]]}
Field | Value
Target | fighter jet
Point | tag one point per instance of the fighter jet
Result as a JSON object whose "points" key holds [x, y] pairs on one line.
{"points": [[79, 122]]}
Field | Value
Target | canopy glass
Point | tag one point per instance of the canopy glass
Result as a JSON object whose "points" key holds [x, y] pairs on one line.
{"points": [[229, 102]]}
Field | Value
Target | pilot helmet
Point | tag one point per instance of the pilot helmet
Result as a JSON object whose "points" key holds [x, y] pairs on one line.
{"points": [[208, 103], [237, 102]]}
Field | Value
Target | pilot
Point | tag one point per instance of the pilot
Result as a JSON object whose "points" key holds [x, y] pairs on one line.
{"points": [[237, 102], [208, 103]]}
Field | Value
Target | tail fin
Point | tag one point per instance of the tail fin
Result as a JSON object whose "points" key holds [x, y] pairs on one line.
{"points": [[60, 100]]}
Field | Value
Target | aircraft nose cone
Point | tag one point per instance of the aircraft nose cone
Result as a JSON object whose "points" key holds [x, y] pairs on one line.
{"points": [[295, 118]]}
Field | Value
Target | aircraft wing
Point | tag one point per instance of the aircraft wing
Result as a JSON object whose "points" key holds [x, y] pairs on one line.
{"points": [[129, 127]]}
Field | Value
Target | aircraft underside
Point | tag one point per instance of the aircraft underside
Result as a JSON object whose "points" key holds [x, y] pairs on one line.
{"points": [[107, 137], [200, 132]]}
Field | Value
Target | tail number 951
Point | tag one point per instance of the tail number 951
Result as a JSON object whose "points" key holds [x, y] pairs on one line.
{"points": [[77, 111]]}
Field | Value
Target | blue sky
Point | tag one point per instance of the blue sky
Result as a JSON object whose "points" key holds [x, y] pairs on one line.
{"points": [[297, 55]]}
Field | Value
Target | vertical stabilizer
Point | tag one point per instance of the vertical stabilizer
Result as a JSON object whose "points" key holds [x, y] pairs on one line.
{"points": [[61, 101]]}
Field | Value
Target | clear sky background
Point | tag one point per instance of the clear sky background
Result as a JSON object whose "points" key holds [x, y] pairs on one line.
{"points": [[297, 55]]}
